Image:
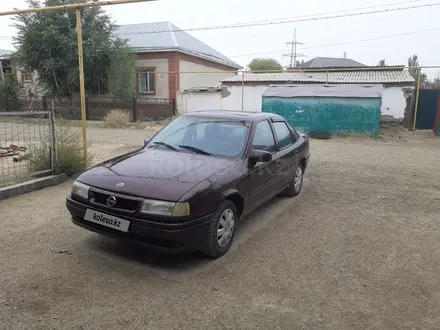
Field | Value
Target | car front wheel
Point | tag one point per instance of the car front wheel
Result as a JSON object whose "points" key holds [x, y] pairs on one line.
{"points": [[221, 230], [295, 185]]}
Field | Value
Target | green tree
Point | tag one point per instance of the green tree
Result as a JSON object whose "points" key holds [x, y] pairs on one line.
{"points": [[435, 83], [47, 43], [414, 69], [264, 64], [122, 77], [10, 92]]}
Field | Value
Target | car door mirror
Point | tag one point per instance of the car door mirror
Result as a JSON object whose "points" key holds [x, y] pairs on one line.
{"points": [[260, 156], [146, 141]]}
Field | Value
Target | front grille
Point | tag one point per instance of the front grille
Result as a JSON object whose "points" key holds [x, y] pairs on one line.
{"points": [[122, 203]]}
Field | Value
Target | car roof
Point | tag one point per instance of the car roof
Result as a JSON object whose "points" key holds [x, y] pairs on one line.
{"points": [[234, 115]]}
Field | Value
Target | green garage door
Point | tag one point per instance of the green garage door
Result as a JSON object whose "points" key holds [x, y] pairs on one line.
{"points": [[344, 110]]}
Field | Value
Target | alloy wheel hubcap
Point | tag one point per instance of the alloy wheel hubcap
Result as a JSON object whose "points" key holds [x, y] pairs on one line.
{"points": [[298, 178], [225, 228]]}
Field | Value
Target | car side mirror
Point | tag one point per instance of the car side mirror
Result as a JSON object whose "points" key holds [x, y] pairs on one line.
{"points": [[146, 141], [260, 156]]}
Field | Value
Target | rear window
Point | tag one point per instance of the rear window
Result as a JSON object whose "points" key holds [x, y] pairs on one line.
{"points": [[283, 134]]}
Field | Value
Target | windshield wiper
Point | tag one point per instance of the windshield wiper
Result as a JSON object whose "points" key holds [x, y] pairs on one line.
{"points": [[169, 146], [195, 149]]}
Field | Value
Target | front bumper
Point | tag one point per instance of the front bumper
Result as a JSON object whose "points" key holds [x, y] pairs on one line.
{"points": [[189, 235]]}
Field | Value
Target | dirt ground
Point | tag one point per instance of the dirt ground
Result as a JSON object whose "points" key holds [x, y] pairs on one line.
{"points": [[359, 248]]}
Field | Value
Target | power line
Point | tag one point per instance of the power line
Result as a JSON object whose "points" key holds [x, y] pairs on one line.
{"points": [[140, 49], [327, 45], [343, 42], [302, 18], [252, 24], [340, 11], [372, 39], [293, 54]]}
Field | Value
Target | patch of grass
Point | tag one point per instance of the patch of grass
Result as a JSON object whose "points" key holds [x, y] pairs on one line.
{"points": [[117, 119], [139, 125], [70, 153], [4, 184], [68, 122], [14, 181], [78, 123]]}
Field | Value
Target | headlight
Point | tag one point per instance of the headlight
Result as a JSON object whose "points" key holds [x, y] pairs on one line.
{"points": [[80, 190], [165, 208]]}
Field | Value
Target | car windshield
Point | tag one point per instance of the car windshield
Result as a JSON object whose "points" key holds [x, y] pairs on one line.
{"points": [[207, 136]]}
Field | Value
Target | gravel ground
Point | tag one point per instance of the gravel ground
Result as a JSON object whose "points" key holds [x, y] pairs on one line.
{"points": [[359, 248]]}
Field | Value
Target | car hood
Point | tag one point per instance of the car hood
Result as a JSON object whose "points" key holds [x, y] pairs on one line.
{"points": [[154, 173]]}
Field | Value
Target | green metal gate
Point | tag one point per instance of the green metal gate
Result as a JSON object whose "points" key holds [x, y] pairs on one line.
{"points": [[427, 108], [345, 110]]}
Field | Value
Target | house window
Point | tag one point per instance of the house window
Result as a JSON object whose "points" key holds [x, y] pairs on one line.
{"points": [[27, 77], [146, 82]]}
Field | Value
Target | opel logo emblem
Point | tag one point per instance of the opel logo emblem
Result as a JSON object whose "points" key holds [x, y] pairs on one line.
{"points": [[111, 201], [120, 184]]}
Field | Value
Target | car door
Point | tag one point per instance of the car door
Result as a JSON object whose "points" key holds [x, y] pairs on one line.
{"points": [[262, 176], [288, 152]]}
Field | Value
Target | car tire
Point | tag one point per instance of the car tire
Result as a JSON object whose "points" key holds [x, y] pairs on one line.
{"points": [[214, 247], [295, 186]]}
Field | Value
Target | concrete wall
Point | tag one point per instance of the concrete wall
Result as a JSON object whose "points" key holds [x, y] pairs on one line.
{"points": [[393, 99], [393, 102], [161, 65], [253, 96], [191, 80], [198, 101]]}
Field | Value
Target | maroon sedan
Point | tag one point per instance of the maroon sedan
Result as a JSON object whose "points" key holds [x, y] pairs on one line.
{"points": [[191, 183]]}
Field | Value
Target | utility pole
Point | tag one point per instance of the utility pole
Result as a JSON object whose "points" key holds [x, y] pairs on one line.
{"points": [[293, 54], [1, 69], [77, 7]]}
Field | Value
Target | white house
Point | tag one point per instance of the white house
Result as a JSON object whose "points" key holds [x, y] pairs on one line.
{"points": [[170, 60]]}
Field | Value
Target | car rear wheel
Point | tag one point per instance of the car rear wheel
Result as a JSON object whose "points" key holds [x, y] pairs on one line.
{"points": [[221, 230], [295, 186]]}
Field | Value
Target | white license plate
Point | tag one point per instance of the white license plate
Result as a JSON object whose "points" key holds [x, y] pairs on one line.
{"points": [[107, 220]]}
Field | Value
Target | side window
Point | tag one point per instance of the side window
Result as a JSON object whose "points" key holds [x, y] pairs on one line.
{"points": [[294, 132], [263, 138], [283, 134], [295, 135]]}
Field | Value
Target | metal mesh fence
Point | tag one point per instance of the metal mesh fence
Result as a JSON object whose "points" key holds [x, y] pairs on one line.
{"points": [[25, 145]]}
